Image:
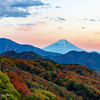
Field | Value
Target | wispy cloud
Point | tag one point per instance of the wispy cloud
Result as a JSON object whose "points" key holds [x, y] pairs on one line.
{"points": [[57, 7], [97, 33], [33, 24], [23, 29], [8, 25], [92, 20], [56, 19], [62, 19], [29, 26], [83, 27], [42, 23], [10, 8], [90, 40], [26, 24], [85, 19], [89, 19], [60, 28]]}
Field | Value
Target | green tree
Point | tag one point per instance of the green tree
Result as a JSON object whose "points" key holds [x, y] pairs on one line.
{"points": [[7, 91]]}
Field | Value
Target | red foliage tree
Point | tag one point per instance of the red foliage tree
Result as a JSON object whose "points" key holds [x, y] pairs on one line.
{"points": [[19, 84]]}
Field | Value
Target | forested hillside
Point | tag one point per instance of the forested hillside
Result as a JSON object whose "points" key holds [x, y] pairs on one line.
{"points": [[45, 80], [91, 60]]}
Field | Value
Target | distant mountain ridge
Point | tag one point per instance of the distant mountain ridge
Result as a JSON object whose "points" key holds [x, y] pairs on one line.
{"points": [[29, 55], [91, 60], [61, 46], [7, 45]]}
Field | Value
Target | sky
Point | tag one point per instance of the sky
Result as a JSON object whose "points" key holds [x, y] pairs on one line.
{"points": [[43, 22]]}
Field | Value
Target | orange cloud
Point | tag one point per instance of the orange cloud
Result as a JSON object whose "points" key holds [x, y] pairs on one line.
{"points": [[59, 28], [83, 27], [23, 29], [42, 23], [97, 33]]}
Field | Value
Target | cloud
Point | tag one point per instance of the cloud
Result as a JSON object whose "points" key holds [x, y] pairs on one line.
{"points": [[42, 23], [57, 7], [97, 33], [23, 29], [62, 19], [27, 3], [90, 40], [26, 24], [89, 19], [83, 27], [10, 8], [8, 25], [58, 19], [60, 28], [46, 17], [92, 20], [85, 19], [29, 26], [14, 13], [55, 19]]}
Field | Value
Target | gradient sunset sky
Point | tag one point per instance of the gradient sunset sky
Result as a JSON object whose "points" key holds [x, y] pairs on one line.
{"points": [[43, 22]]}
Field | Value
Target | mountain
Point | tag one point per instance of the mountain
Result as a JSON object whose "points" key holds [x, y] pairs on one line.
{"points": [[61, 46], [91, 60], [7, 45], [29, 55]]}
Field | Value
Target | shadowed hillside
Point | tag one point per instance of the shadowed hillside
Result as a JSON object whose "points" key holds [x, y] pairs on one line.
{"points": [[91, 60], [24, 55]]}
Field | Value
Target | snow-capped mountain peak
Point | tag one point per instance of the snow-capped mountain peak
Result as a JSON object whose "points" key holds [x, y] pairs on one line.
{"points": [[63, 42], [61, 46]]}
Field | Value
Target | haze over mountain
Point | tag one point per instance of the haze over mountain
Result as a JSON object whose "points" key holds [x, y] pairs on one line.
{"points": [[7, 45], [91, 60], [61, 46]]}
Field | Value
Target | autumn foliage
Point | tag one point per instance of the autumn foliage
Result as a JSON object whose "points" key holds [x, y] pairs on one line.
{"points": [[64, 81], [19, 84]]}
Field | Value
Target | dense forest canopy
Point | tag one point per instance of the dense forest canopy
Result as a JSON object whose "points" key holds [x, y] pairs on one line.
{"points": [[48, 80]]}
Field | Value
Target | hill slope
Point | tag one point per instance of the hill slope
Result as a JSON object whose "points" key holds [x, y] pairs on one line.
{"points": [[24, 55], [7, 88], [65, 81], [61, 46], [91, 60], [7, 44]]}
